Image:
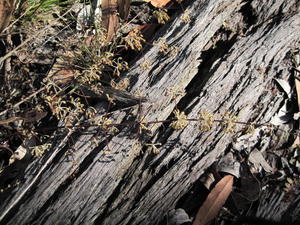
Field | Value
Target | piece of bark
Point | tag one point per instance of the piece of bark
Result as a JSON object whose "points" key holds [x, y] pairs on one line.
{"points": [[6, 10], [123, 8], [110, 17], [219, 72]]}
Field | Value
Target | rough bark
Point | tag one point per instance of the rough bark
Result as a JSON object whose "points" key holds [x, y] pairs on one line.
{"points": [[229, 54]]}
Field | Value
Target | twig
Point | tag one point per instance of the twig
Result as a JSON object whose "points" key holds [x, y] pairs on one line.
{"points": [[24, 100], [29, 39]]}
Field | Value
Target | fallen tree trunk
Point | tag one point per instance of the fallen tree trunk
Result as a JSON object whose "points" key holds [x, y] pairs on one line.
{"points": [[224, 59]]}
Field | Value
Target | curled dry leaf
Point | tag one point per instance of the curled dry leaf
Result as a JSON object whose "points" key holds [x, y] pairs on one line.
{"points": [[229, 165], [258, 160], [214, 201]]}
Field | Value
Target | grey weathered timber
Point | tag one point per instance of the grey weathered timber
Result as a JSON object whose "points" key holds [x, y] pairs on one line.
{"points": [[229, 54], [278, 206]]}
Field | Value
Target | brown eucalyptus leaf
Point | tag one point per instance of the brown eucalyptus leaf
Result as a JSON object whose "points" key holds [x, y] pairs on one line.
{"points": [[214, 201], [6, 10], [62, 76]]}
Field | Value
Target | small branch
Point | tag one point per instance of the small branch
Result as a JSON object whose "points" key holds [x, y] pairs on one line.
{"points": [[87, 125], [24, 100], [29, 39]]}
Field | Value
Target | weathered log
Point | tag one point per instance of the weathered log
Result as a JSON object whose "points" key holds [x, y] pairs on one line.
{"points": [[229, 54], [279, 206]]}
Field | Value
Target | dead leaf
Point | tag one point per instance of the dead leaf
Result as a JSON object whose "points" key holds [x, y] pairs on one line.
{"points": [[283, 116], [176, 217], [229, 165], [208, 180], [6, 10], [258, 160], [158, 3], [285, 86], [62, 76], [110, 18], [214, 201]]}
